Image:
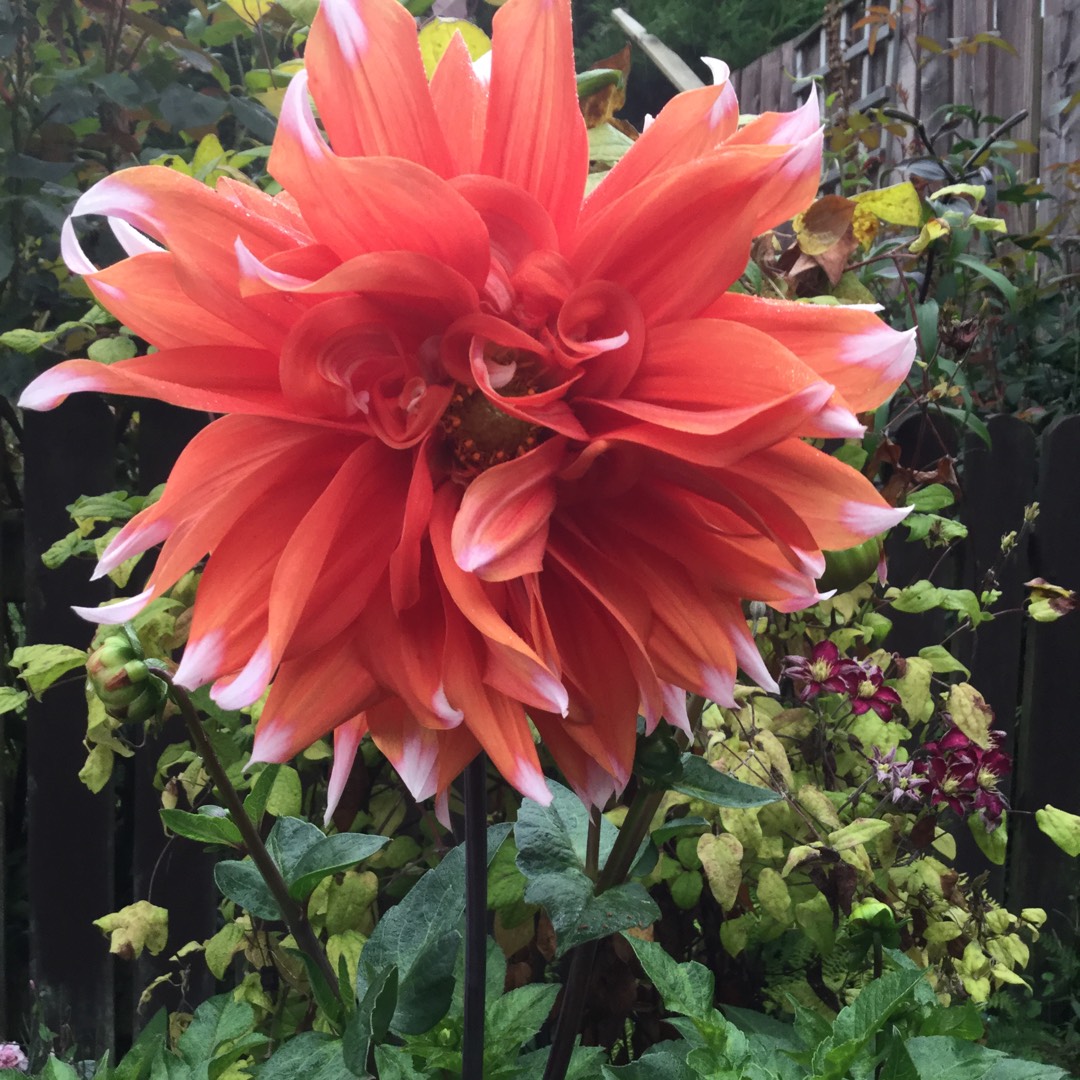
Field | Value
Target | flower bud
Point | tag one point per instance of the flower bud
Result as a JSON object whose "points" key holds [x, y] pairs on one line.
{"points": [[118, 676], [872, 919], [658, 761]]}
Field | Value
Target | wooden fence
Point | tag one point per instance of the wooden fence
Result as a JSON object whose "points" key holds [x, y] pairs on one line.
{"points": [[1040, 75]]}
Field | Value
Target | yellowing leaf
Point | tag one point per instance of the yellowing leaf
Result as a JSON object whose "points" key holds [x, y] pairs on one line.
{"points": [[773, 895], [977, 192], [914, 688], [970, 713], [858, 832], [986, 224], [933, 230], [818, 805], [436, 36], [864, 225], [898, 205], [824, 224], [139, 926], [251, 11], [721, 859]]}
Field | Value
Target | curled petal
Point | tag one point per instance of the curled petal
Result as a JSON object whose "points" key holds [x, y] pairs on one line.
{"points": [[501, 527]]}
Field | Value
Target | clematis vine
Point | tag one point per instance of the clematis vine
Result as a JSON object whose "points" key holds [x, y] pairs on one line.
{"points": [[489, 450]]}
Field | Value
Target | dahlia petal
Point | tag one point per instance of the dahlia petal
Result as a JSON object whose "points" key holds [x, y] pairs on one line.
{"points": [[690, 125], [131, 240], [51, 387], [314, 597], [117, 612], [746, 430], [202, 377], [848, 346], [664, 241], [368, 81], [778, 128], [839, 505], [460, 98], [135, 538], [515, 668], [675, 712], [593, 784], [311, 697], [145, 294], [411, 749], [495, 721], [379, 204], [245, 688], [405, 561], [347, 739], [501, 527], [535, 135], [200, 229], [202, 660], [71, 251]]}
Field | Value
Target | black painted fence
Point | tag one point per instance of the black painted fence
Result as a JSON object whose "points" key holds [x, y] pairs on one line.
{"points": [[71, 856]]}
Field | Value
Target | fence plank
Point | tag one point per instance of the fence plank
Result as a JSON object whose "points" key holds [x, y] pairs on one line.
{"points": [[68, 453], [1039, 873], [177, 873], [1059, 141], [999, 482]]}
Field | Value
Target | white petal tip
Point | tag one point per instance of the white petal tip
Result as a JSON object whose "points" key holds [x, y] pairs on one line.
{"points": [[50, 388], [532, 784], [867, 520], [114, 614], [249, 685]]}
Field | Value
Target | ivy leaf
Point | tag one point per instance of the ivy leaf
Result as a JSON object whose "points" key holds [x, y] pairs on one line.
{"points": [[1062, 827]]}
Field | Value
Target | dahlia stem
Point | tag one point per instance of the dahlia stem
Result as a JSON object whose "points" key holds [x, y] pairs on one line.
{"points": [[472, 1042], [614, 872], [291, 913]]}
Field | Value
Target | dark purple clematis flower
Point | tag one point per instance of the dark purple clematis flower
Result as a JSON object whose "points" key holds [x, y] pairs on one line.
{"points": [[825, 671], [965, 776], [866, 686]]}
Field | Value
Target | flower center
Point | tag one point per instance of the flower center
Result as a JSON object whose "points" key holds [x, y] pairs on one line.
{"points": [[481, 435], [867, 689], [987, 779], [820, 670]]}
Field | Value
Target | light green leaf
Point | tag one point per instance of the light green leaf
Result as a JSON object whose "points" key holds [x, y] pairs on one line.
{"points": [[942, 661], [686, 988], [1062, 827], [931, 497], [11, 699], [202, 827], [39, 666]]}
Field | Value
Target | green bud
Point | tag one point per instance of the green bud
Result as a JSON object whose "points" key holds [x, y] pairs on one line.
{"points": [[850, 567], [117, 674], [872, 919]]}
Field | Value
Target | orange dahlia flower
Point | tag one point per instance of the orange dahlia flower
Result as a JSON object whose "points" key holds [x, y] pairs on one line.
{"points": [[492, 449]]}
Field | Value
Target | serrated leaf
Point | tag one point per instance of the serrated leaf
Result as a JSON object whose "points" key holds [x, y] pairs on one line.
{"points": [[685, 988]]}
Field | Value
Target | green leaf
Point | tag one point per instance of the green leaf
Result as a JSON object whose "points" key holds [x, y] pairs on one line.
{"points": [[993, 843], [303, 11], [311, 1055], [241, 882], [995, 277], [286, 795], [370, 1021], [960, 1021], [1062, 827], [202, 827], [595, 79], [328, 856], [55, 1069], [551, 854], [941, 661], [111, 349], [932, 497], [701, 781], [136, 1063], [217, 1022], [686, 989], [514, 1018], [680, 827], [395, 1063], [39, 666], [11, 699], [607, 144], [289, 840], [928, 330], [255, 803], [419, 938], [938, 1057], [915, 599], [664, 1061]]}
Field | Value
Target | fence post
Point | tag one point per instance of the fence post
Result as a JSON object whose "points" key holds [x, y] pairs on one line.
{"points": [[1046, 740], [67, 453]]}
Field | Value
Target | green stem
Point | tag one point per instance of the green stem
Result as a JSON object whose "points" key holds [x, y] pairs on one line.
{"points": [[293, 916], [634, 828]]}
